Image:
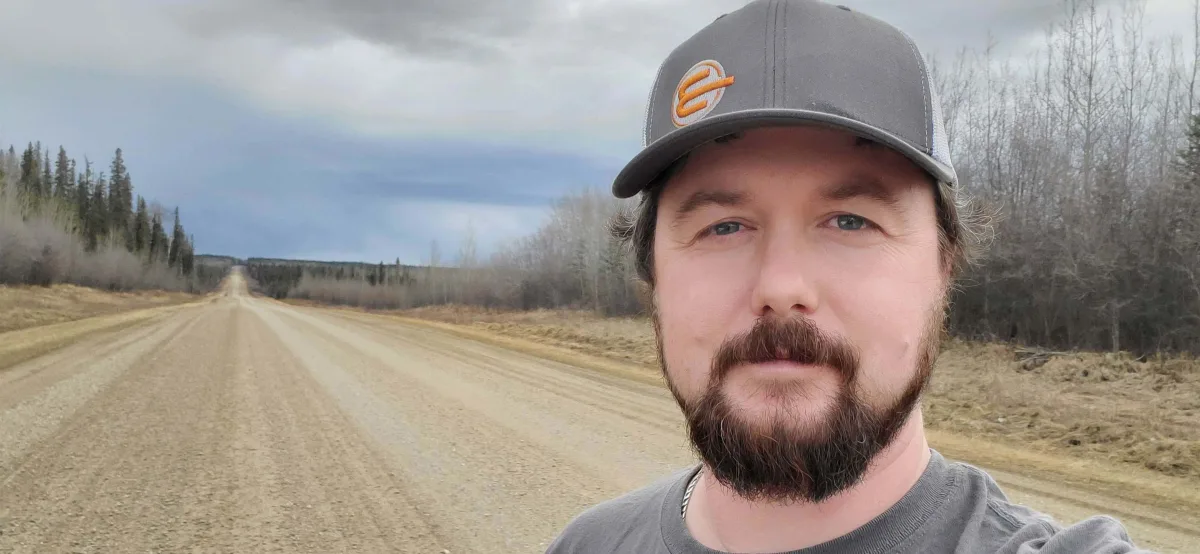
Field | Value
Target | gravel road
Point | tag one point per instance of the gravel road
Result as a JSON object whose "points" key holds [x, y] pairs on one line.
{"points": [[246, 425]]}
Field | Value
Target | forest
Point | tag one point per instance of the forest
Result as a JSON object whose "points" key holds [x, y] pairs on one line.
{"points": [[280, 278], [61, 223], [1087, 150]]}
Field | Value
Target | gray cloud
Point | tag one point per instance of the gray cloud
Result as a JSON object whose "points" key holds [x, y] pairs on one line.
{"points": [[432, 28], [450, 28], [570, 74], [945, 26]]}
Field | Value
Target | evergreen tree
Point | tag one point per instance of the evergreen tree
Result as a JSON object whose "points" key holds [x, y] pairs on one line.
{"points": [[127, 211], [35, 171], [97, 216], [83, 192], [62, 175], [71, 180], [158, 239], [113, 206], [120, 201], [1187, 160], [1186, 196], [81, 197], [141, 228], [29, 171], [177, 240], [46, 189], [4, 161], [189, 257]]}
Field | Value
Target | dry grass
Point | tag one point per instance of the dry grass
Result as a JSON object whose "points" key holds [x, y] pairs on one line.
{"points": [[1085, 406], [625, 339], [27, 344], [1082, 406], [22, 307]]}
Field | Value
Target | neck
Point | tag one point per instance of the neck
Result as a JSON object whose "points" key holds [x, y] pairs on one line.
{"points": [[719, 519]]}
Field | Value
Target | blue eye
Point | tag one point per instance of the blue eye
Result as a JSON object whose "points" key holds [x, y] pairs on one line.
{"points": [[851, 222], [726, 228]]}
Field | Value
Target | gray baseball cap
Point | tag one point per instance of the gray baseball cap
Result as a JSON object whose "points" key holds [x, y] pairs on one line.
{"points": [[791, 62]]}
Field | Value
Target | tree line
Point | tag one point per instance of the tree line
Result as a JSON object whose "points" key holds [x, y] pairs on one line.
{"points": [[63, 223], [276, 278], [350, 283], [569, 262], [1088, 150]]}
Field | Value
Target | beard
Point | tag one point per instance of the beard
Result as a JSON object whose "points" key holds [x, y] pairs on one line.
{"points": [[787, 459]]}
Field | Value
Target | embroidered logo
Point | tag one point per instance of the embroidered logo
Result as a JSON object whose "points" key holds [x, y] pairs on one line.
{"points": [[698, 92]]}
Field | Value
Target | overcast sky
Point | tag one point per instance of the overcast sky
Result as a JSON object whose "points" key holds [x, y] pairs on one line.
{"points": [[364, 129]]}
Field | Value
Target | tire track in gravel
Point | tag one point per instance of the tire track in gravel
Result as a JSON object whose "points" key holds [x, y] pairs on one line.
{"points": [[311, 482], [140, 466], [209, 436], [637, 402], [496, 486], [40, 396], [540, 387], [28, 379]]}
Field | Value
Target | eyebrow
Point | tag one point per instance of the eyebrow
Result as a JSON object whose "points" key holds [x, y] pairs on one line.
{"points": [[703, 198], [862, 185], [858, 185]]}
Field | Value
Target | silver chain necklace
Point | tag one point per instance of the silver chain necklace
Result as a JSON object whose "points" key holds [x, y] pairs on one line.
{"points": [[687, 494]]}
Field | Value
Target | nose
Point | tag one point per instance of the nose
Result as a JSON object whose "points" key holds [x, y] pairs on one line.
{"points": [[786, 284]]}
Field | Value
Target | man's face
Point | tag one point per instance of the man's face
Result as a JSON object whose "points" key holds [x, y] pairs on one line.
{"points": [[799, 297]]}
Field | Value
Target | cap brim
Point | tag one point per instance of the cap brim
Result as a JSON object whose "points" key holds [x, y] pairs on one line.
{"points": [[656, 158]]}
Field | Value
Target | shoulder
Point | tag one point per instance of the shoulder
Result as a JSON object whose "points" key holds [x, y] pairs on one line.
{"points": [[1099, 534], [1020, 529], [618, 523]]}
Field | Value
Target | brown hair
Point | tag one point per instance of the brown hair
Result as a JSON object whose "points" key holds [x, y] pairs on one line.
{"points": [[963, 225]]}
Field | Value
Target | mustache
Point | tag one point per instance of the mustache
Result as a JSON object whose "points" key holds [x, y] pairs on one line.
{"points": [[793, 339]]}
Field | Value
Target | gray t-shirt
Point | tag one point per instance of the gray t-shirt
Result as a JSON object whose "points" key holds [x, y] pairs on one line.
{"points": [[954, 507]]}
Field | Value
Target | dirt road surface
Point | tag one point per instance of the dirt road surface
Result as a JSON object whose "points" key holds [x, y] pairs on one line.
{"points": [[246, 425]]}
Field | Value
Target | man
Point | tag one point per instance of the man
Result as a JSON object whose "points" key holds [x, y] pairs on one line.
{"points": [[800, 227]]}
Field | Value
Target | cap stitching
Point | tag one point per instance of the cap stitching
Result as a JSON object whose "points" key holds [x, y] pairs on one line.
{"points": [[773, 29], [785, 52], [777, 68], [768, 59], [646, 131], [924, 89]]}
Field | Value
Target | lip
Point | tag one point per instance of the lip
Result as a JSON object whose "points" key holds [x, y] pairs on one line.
{"points": [[783, 367]]}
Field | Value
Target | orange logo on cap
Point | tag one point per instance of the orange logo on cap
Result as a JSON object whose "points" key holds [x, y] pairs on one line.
{"points": [[698, 92]]}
